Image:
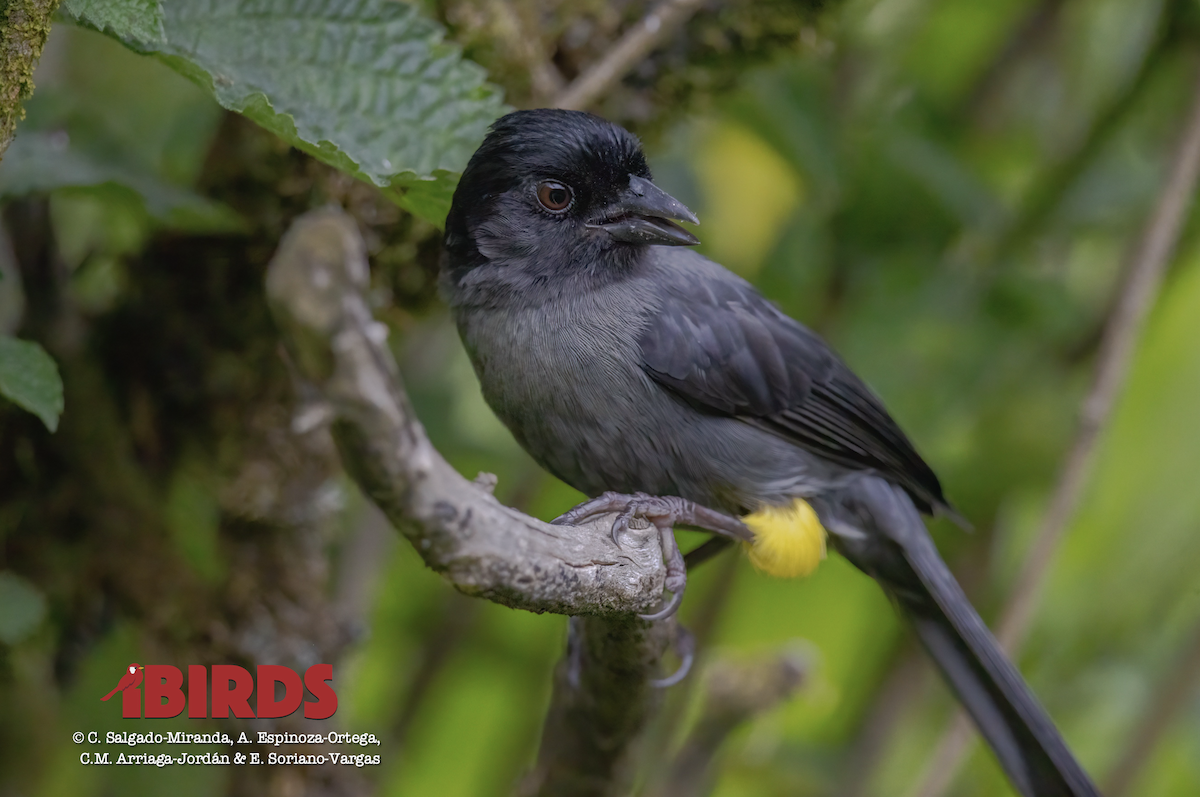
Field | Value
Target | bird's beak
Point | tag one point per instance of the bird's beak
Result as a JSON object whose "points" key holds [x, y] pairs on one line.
{"points": [[642, 215]]}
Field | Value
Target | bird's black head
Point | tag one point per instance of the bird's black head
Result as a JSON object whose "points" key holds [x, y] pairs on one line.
{"points": [[553, 194]]}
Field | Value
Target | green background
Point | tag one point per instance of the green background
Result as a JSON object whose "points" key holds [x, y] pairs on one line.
{"points": [[947, 191]]}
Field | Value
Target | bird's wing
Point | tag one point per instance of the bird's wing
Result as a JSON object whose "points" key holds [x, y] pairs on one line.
{"points": [[724, 348]]}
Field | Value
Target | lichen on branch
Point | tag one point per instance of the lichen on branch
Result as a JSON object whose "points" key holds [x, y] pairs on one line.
{"points": [[23, 31]]}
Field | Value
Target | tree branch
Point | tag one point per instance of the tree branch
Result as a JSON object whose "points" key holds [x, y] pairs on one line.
{"points": [[453, 621], [906, 683], [1172, 694], [1135, 297], [23, 31], [1046, 194], [1029, 34], [602, 696], [735, 692], [602, 700], [667, 17], [315, 285], [544, 78], [706, 610]]}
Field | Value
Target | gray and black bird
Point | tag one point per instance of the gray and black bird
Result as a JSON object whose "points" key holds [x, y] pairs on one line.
{"points": [[664, 386]]}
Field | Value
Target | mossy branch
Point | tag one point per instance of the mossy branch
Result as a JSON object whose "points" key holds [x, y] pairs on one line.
{"points": [[23, 32]]}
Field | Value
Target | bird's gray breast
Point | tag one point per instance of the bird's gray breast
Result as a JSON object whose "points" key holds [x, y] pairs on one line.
{"points": [[565, 377]]}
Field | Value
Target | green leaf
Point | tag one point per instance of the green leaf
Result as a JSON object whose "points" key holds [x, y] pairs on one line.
{"points": [[367, 86], [39, 162], [138, 20], [22, 608], [29, 378]]}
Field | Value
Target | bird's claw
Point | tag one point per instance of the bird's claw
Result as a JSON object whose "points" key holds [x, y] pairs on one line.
{"points": [[627, 508], [661, 510], [664, 512], [676, 579], [621, 523], [668, 610]]}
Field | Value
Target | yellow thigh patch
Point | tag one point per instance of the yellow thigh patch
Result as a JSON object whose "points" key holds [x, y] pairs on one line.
{"points": [[789, 540]]}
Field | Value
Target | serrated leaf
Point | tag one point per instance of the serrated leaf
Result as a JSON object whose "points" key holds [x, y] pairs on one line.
{"points": [[29, 378], [367, 86], [140, 20], [39, 162]]}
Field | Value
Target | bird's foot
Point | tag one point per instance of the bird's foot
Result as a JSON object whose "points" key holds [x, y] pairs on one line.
{"points": [[661, 510], [664, 512]]}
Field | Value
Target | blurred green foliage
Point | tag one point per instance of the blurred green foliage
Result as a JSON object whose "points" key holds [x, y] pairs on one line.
{"points": [[947, 191]]}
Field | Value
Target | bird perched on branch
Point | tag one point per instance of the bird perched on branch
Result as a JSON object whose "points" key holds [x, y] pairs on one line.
{"points": [[666, 387]]}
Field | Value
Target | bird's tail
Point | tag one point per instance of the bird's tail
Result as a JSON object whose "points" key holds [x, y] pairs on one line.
{"points": [[1024, 739], [110, 694]]}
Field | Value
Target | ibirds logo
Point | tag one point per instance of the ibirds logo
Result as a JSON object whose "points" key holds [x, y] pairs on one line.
{"points": [[231, 691]]}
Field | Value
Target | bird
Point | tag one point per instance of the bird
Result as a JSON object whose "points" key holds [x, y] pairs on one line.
{"points": [[131, 677], [665, 387]]}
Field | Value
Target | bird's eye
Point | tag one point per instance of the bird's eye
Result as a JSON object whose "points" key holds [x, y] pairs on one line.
{"points": [[555, 197]]}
